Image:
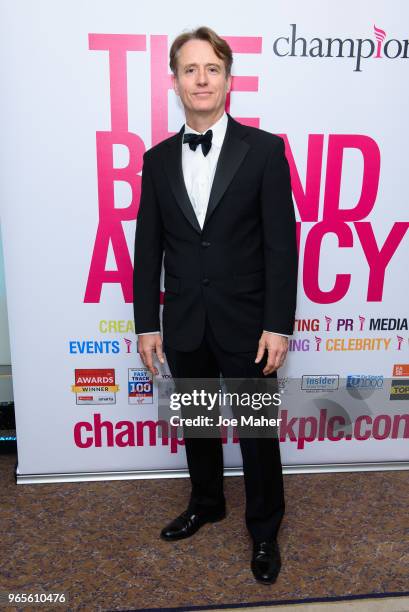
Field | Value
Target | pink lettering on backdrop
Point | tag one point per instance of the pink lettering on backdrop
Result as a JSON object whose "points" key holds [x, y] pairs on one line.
{"points": [[161, 83], [117, 46], [333, 219], [378, 258], [370, 180], [244, 44], [311, 272], [110, 230], [308, 199]]}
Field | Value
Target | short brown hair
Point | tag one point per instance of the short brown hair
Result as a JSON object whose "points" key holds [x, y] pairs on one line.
{"points": [[220, 47]]}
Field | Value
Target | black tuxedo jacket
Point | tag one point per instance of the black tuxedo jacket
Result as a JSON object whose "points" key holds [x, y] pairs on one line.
{"points": [[241, 269]]}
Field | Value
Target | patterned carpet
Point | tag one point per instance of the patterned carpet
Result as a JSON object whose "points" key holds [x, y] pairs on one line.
{"points": [[343, 534]]}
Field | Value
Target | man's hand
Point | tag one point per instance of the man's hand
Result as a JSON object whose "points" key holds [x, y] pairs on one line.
{"points": [[148, 344], [277, 347]]}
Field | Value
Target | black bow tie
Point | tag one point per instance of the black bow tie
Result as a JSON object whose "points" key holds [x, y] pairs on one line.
{"points": [[195, 139]]}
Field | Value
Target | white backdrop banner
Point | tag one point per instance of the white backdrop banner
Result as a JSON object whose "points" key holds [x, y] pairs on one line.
{"points": [[86, 90]]}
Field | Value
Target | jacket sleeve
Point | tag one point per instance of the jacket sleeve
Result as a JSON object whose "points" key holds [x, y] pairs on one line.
{"points": [[280, 245], [147, 256]]}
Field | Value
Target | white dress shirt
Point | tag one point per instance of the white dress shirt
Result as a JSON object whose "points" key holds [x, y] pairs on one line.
{"points": [[199, 171]]}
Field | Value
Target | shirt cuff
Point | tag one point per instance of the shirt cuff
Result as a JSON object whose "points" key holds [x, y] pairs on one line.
{"points": [[276, 333], [146, 333]]}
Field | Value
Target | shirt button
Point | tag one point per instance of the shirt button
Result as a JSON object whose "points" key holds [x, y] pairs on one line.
{"points": [[205, 244], [205, 282]]}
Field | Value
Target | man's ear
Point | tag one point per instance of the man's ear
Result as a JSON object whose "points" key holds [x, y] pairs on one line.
{"points": [[175, 84], [228, 84]]}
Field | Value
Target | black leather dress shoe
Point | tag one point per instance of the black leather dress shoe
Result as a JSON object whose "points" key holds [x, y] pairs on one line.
{"points": [[266, 561], [187, 523]]}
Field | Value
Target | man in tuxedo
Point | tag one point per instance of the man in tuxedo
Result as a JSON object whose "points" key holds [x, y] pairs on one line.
{"points": [[216, 200]]}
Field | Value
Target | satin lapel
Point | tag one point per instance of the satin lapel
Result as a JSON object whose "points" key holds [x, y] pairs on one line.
{"points": [[233, 151], [173, 169]]}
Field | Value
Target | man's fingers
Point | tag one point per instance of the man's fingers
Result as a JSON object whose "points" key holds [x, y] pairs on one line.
{"points": [[147, 360], [149, 363], [279, 361], [159, 352], [277, 351], [282, 359], [271, 361], [275, 362], [260, 352], [148, 344]]}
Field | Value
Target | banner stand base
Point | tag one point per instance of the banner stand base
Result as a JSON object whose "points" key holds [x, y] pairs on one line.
{"points": [[183, 473]]}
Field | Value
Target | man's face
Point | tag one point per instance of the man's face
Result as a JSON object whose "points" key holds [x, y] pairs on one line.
{"points": [[201, 79]]}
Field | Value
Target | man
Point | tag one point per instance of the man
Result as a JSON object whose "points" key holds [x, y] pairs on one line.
{"points": [[216, 199]]}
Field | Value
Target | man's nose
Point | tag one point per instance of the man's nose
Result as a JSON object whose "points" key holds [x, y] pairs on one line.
{"points": [[202, 76]]}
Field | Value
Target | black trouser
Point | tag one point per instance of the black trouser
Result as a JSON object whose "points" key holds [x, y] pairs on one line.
{"points": [[261, 456]]}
